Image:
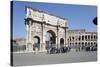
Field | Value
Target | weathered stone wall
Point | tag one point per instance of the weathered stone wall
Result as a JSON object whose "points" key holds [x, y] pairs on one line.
{"points": [[81, 37]]}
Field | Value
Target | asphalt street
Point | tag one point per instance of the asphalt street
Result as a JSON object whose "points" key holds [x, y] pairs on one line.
{"points": [[24, 59]]}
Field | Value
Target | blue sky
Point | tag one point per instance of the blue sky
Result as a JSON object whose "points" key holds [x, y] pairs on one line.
{"points": [[79, 16]]}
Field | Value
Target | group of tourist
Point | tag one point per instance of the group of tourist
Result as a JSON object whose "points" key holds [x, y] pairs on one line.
{"points": [[54, 50], [91, 48]]}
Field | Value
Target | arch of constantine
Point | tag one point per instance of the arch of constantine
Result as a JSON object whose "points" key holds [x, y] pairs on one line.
{"points": [[44, 30]]}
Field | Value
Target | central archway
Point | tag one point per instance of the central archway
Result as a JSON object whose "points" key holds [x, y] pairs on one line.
{"points": [[50, 39]]}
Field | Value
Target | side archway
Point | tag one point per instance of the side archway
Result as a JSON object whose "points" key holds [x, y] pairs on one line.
{"points": [[61, 42], [36, 44]]}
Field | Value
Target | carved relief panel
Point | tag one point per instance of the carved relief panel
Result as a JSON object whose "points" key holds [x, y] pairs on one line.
{"points": [[36, 27]]}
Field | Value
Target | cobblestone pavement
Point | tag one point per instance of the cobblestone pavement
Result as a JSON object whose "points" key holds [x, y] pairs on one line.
{"points": [[20, 59]]}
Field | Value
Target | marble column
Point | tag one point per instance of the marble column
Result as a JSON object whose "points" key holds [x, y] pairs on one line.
{"points": [[43, 45], [65, 36], [27, 31], [29, 47], [57, 38]]}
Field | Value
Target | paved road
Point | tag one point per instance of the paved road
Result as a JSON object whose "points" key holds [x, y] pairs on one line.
{"points": [[38, 59]]}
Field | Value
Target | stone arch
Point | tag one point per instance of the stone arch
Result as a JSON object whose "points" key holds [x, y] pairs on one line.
{"points": [[79, 38], [82, 37], [85, 37], [88, 37], [50, 39], [95, 44], [73, 38], [91, 37], [91, 43], [88, 43], [85, 43], [36, 43], [94, 37], [76, 44], [61, 42], [82, 44]]}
